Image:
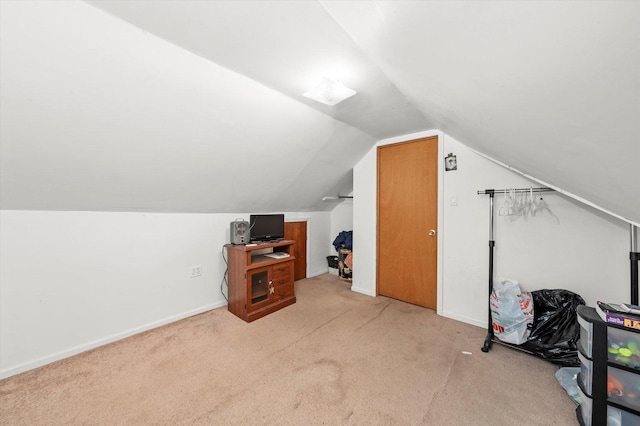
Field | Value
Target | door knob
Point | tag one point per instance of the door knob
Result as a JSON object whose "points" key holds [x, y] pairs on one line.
{"points": [[432, 232]]}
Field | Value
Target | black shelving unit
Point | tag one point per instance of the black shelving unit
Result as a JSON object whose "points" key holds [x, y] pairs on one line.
{"points": [[609, 382]]}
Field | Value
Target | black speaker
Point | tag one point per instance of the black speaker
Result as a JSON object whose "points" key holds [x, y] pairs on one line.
{"points": [[239, 232]]}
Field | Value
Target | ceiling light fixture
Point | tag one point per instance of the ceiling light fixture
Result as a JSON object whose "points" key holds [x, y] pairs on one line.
{"points": [[329, 92]]}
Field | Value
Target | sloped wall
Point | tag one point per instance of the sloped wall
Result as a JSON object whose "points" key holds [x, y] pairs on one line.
{"points": [[72, 281], [98, 115], [577, 248], [584, 250]]}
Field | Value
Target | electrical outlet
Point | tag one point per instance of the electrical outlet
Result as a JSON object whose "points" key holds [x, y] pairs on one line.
{"points": [[453, 201], [196, 271]]}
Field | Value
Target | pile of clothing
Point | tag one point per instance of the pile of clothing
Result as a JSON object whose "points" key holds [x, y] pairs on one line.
{"points": [[344, 240]]}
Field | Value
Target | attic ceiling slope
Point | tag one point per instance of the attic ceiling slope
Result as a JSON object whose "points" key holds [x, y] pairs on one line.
{"points": [[98, 115], [549, 88], [141, 105], [286, 45]]}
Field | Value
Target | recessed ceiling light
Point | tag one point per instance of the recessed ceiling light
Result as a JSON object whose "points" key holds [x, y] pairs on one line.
{"points": [[329, 92]]}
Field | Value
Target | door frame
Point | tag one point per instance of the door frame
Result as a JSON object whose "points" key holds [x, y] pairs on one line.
{"points": [[440, 198]]}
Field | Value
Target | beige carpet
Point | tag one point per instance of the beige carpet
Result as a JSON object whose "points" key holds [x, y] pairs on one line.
{"points": [[335, 357]]}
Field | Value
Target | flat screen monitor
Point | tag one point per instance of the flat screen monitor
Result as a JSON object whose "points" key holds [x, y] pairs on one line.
{"points": [[266, 227]]}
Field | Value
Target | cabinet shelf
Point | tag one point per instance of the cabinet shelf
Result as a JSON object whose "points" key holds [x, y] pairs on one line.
{"points": [[261, 260]]}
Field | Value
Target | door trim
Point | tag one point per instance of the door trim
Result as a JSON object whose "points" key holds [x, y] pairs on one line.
{"points": [[440, 198]]}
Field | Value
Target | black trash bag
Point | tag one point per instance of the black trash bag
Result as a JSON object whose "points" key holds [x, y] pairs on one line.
{"points": [[555, 330]]}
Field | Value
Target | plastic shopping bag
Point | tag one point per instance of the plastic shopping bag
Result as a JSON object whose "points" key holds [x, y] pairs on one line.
{"points": [[511, 312]]}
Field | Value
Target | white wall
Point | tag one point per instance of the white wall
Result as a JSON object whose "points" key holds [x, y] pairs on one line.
{"points": [[71, 281], [586, 252]]}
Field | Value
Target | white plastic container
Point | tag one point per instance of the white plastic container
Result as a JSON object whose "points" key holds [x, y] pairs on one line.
{"points": [[623, 347], [586, 370], [628, 383], [586, 336], [617, 417], [585, 408]]}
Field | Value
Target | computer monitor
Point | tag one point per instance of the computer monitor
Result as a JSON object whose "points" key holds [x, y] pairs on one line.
{"points": [[266, 227]]}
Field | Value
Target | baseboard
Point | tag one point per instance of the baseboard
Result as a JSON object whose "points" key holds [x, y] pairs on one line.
{"points": [[364, 291], [464, 319], [316, 273], [101, 342]]}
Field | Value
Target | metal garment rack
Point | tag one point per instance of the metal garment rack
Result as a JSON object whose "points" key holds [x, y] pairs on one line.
{"points": [[491, 192], [634, 257]]}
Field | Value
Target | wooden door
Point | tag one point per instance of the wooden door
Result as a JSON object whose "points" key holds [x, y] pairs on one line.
{"points": [[407, 221], [297, 231]]}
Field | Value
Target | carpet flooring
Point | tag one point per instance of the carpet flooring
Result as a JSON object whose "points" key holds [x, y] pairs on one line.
{"points": [[335, 357]]}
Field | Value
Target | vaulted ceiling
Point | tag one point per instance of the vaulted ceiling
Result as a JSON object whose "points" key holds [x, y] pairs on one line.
{"points": [[197, 106]]}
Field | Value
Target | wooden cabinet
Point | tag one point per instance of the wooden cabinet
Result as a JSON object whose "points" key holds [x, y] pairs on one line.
{"points": [[260, 282]]}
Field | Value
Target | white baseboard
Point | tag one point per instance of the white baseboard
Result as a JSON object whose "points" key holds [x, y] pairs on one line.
{"points": [[362, 291], [30, 365], [463, 319], [316, 273]]}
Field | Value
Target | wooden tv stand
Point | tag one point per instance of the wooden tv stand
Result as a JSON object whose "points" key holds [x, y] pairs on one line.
{"points": [[259, 284]]}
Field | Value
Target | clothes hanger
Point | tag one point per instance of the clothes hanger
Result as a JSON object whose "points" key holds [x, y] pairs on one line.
{"points": [[544, 206], [505, 209]]}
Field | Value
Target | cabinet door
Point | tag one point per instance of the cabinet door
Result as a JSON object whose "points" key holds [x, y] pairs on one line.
{"points": [[259, 288]]}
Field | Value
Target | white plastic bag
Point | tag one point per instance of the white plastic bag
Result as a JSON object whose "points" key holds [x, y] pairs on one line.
{"points": [[511, 311]]}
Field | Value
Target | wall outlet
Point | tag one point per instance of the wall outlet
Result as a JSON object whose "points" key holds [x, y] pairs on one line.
{"points": [[196, 271], [453, 201]]}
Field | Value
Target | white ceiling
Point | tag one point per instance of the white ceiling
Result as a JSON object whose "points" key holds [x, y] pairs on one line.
{"points": [[193, 106]]}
